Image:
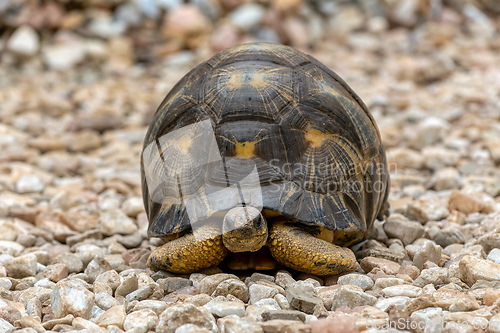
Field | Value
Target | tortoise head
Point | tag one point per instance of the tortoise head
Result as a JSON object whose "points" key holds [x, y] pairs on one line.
{"points": [[244, 229]]}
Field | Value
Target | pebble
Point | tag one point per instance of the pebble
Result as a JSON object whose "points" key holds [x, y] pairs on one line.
{"points": [[208, 284], [141, 321], [113, 316], [115, 221], [429, 251], [494, 255], [181, 314], [234, 287], [172, 284], [473, 269], [454, 300], [71, 297], [397, 301], [435, 275], [362, 281], [382, 283], [258, 291], [398, 226], [104, 300], [402, 290], [426, 210], [388, 267], [233, 324], [351, 296], [219, 307], [24, 41], [22, 266], [247, 16], [56, 272], [305, 301]]}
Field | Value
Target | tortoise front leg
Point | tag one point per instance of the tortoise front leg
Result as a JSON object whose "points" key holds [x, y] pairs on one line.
{"points": [[293, 246], [188, 254]]}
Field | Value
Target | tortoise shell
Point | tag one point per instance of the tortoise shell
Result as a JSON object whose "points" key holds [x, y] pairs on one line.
{"points": [[268, 108]]}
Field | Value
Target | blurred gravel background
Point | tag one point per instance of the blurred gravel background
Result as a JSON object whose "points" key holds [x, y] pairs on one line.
{"points": [[79, 82]]}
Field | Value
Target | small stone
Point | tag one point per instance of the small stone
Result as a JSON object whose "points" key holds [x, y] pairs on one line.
{"points": [[351, 296], [282, 301], [426, 210], [24, 41], [63, 56], [180, 314], [50, 324], [29, 184], [305, 301], [473, 269], [71, 260], [284, 314], [11, 248], [247, 17], [233, 287], [104, 300], [281, 325], [115, 221], [447, 236], [141, 321], [43, 294], [237, 325], [71, 297], [466, 203], [269, 302], [430, 318], [429, 251], [405, 158], [256, 277], [436, 275], [128, 285], [259, 291], [490, 241], [208, 284], [397, 302], [143, 292], [402, 290], [490, 296], [198, 300], [114, 316], [382, 283], [494, 255], [454, 300], [338, 324], [388, 267], [133, 206], [446, 179], [172, 284], [398, 226], [283, 279], [10, 314], [5, 326], [157, 306], [56, 272], [362, 281], [220, 307], [22, 266]]}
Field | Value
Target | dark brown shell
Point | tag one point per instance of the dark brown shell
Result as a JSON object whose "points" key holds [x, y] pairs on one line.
{"points": [[316, 147]]}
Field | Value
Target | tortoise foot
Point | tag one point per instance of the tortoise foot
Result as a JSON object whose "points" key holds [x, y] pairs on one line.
{"points": [[293, 246], [188, 254]]}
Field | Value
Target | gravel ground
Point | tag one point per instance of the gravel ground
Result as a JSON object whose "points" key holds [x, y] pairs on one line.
{"points": [[73, 245]]}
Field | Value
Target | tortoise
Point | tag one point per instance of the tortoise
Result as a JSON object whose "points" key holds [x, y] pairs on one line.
{"points": [[262, 146]]}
